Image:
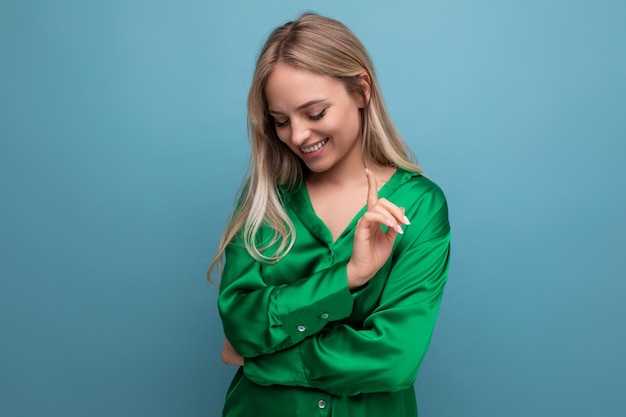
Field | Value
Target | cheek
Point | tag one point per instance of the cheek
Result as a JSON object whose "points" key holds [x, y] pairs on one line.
{"points": [[336, 124], [283, 135], [350, 114], [350, 123]]}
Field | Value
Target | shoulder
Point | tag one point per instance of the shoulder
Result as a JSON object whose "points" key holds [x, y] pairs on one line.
{"points": [[416, 189], [425, 205]]}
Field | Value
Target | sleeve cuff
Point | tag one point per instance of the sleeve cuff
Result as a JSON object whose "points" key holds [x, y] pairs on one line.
{"points": [[330, 300]]}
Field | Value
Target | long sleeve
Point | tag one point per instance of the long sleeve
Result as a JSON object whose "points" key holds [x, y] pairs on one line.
{"points": [[384, 354], [260, 318]]}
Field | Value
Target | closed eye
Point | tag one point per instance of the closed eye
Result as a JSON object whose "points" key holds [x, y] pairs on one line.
{"points": [[277, 123], [318, 115]]}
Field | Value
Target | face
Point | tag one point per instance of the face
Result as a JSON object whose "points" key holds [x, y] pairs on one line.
{"points": [[315, 117]]}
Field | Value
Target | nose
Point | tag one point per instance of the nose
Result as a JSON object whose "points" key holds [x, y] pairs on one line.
{"points": [[300, 132]]}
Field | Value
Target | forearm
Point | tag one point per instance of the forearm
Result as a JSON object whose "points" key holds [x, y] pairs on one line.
{"points": [[385, 352], [260, 319], [345, 361]]}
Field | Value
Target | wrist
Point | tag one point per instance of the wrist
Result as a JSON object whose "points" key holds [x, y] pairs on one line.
{"points": [[354, 279]]}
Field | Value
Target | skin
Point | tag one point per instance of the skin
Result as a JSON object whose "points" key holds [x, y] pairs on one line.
{"points": [[329, 112], [229, 356], [310, 109]]}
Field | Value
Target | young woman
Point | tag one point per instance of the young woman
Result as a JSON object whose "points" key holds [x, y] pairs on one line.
{"points": [[337, 252]]}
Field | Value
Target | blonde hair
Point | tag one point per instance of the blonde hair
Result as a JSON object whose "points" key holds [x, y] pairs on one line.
{"points": [[324, 46]]}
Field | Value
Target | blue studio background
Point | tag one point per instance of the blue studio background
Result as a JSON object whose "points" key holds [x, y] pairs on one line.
{"points": [[123, 141]]}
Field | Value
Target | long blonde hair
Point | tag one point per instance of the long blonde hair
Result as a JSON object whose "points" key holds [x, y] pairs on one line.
{"points": [[324, 46]]}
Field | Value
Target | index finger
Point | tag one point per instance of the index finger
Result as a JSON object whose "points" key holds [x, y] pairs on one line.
{"points": [[372, 189]]}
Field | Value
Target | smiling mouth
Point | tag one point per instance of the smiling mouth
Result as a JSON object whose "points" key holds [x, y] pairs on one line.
{"points": [[315, 147]]}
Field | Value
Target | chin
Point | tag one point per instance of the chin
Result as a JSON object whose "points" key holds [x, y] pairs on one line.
{"points": [[316, 168]]}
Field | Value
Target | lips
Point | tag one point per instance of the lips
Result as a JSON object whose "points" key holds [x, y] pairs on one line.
{"points": [[315, 147]]}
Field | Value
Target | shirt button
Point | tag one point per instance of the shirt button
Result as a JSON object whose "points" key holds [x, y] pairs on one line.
{"points": [[321, 404], [301, 329], [324, 316]]}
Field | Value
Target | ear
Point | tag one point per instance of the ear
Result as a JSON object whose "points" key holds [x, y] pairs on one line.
{"points": [[365, 82]]}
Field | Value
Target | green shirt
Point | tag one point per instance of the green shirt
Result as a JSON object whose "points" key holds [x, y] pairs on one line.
{"points": [[314, 348]]}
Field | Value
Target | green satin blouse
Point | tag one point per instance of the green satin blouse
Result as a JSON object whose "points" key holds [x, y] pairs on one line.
{"points": [[312, 347]]}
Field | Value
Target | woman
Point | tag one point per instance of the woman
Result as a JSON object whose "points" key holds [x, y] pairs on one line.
{"points": [[337, 253]]}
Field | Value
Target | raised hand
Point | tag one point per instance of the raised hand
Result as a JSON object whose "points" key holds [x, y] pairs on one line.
{"points": [[372, 246]]}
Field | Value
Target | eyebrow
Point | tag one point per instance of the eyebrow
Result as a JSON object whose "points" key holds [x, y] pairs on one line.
{"points": [[300, 107]]}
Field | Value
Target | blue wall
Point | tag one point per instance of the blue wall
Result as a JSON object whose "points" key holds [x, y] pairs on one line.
{"points": [[123, 140]]}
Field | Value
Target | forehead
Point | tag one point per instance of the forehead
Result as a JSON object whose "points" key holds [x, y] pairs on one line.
{"points": [[288, 87]]}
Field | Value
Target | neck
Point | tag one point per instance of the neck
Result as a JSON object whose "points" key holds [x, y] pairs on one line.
{"points": [[351, 177]]}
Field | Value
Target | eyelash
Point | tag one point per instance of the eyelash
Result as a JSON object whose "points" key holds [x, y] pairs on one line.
{"points": [[314, 117]]}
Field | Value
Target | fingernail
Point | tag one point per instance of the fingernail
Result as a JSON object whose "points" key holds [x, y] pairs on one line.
{"points": [[366, 171], [399, 229], [405, 220]]}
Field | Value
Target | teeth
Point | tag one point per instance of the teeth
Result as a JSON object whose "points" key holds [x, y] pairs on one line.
{"points": [[315, 147]]}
